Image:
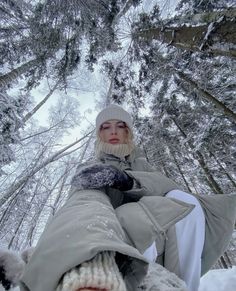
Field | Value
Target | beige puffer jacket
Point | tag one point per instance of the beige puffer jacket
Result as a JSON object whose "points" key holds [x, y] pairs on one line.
{"points": [[125, 222]]}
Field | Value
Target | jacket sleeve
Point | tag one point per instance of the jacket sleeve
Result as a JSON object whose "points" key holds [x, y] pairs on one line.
{"points": [[150, 182]]}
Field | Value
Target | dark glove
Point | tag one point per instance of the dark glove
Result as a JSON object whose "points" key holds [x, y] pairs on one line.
{"points": [[101, 175], [11, 268], [3, 280]]}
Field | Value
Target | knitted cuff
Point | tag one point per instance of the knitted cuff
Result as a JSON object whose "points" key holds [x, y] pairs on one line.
{"points": [[101, 273]]}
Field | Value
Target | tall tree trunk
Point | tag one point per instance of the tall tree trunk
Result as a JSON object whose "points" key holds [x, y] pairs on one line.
{"points": [[6, 213], [228, 260], [6, 79], [208, 96], [55, 205], [224, 170], [218, 38], [41, 103], [56, 202], [29, 239], [214, 185], [212, 182], [180, 171], [68, 169], [22, 220], [194, 186], [225, 261], [12, 203]]}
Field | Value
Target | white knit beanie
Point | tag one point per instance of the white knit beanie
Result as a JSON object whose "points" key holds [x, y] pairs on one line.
{"points": [[113, 112], [101, 272]]}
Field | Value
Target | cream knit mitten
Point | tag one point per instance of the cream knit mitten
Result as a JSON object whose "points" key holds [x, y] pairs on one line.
{"points": [[101, 273]]}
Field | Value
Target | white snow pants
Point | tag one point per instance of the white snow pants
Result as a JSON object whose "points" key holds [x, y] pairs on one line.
{"points": [[190, 233]]}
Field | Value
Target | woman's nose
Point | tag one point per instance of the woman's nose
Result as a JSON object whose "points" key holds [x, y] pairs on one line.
{"points": [[113, 130]]}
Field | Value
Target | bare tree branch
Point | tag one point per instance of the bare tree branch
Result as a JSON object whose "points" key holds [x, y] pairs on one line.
{"points": [[54, 157]]}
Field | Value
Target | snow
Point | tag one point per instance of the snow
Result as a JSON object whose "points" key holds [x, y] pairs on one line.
{"points": [[214, 280], [93, 176], [219, 280], [159, 279]]}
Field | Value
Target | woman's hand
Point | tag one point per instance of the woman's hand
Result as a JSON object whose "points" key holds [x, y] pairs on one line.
{"points": [[100, 175]]}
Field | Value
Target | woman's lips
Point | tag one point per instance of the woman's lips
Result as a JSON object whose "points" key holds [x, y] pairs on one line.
{"points": [[114, 140]]}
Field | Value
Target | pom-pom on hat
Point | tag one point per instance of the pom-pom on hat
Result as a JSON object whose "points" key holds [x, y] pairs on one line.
{"points": [[113, 112]]}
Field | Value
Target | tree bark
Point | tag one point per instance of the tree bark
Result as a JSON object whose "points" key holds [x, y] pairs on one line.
{"points": [[224, 170], [208, 96], [180, 171], [211, 181], [194, 186], [217, 38], [40, 104], [21, 221], [55, 205], [29, 239], [60, 192], [12, 203], [215, 186], [6, 79], [64, 177]]}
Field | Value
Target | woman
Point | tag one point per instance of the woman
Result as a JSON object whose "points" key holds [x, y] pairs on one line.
{"points": [[122, 214]]}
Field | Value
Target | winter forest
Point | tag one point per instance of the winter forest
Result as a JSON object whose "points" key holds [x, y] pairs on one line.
{"points": [[171, 64]]}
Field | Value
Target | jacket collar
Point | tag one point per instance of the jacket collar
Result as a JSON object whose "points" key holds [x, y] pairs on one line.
{"points": [[136, 153]]}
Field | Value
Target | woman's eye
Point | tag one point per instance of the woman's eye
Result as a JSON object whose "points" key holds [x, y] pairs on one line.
{"points": [[105, 127], [121, 125]]}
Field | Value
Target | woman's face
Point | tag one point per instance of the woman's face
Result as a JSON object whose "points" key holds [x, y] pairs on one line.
{"points": [[114, 132]]}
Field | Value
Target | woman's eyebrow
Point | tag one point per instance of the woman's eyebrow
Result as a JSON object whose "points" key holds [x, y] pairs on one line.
{"points": [[107, 122], [110, 123]]}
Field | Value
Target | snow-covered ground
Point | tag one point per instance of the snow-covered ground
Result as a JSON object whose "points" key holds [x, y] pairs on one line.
{"points": [[219, 280]]}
